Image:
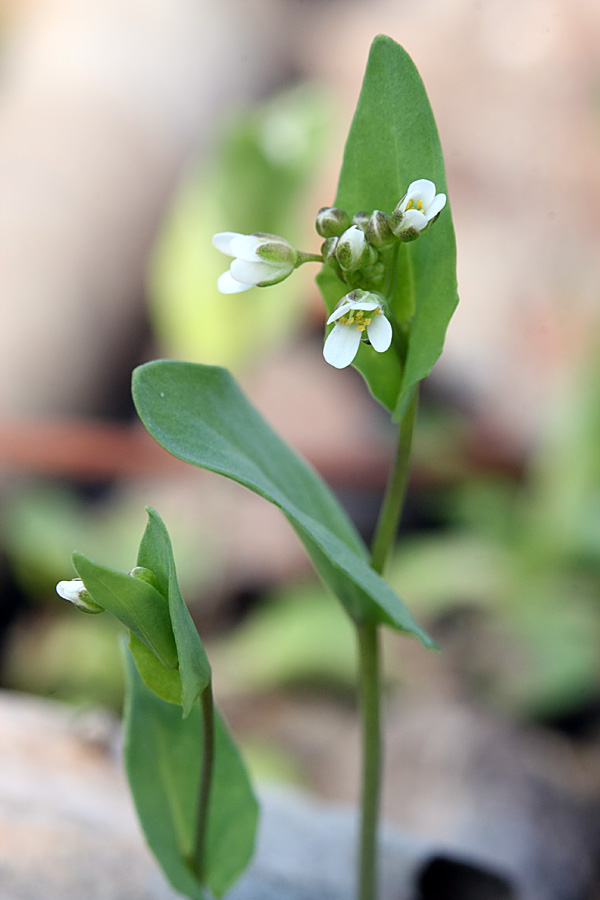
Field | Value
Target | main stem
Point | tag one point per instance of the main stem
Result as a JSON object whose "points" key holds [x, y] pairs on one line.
{"points": [[395, 491], [369, 663], [370, 695], [206, 773]]}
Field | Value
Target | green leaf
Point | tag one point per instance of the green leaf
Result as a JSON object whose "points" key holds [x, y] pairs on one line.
{"points": [[199, 414], [138, 605], [393, 141], [163, 758], [156, 554], [166, 683]]}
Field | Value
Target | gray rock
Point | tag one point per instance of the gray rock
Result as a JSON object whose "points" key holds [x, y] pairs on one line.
{"points": [[68, 830]]}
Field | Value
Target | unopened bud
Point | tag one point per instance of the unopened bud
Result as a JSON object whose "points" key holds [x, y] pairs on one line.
{"points": [[379, 231], [332, 222], [74, 591], [361, 220], [328, 248], [353, 251], [144, 574]]}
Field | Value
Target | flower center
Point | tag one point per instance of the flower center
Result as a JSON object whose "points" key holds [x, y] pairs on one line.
{"points": [[357, 318], [411, 205]]}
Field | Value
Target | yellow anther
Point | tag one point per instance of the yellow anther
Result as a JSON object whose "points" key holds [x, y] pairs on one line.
{"points": [[420, 205], [368, 321], [361, 327], [410, 204]]}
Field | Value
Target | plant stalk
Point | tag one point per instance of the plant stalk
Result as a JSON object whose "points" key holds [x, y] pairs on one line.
{"points": [[395, 491], [370, 698], [206, 774], [369, 663]]}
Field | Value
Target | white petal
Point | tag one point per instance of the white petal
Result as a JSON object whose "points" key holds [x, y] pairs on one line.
{"points": [[414, 218], [423, 190], [244, 246], [379, 332], [356, 239], [70, 590], [436, 206], [227, 284], [258, 271], [223, 240], [341, 345]]}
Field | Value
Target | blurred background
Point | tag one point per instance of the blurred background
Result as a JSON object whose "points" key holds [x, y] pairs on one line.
{"points": [[130, 132]]}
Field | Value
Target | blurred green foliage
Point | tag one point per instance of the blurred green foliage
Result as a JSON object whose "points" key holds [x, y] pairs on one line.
{"points": [[67, 657], [259, 179], [297, 637], [526, 556]]}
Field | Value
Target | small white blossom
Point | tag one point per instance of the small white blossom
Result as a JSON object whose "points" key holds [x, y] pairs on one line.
{"points": [[74, 591], [419, 206], [260, 260], [359, 316]]}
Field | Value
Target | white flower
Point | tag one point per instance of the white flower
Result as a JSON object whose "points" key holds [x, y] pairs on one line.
{"points": [[74, 591], [260, 260], [356, 313], [353, 251], [419, 206]]}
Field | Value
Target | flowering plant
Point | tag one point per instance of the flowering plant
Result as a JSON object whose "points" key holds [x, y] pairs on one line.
{"points": [[388, 280]]}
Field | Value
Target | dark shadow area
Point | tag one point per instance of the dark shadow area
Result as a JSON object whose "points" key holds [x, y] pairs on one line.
{"points": [[447, 879]]}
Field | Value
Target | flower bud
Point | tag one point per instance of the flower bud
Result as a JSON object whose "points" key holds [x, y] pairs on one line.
{"points": [[402, 227], [378, 230], [332, 222], [361, 219], [328, 248], [74, 591], [144, 574], [375, 274], [260, 260], [353, 251]]}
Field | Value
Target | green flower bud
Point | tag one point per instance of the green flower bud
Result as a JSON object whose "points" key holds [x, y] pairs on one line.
{"points": [[374, 275], [144, 574], [379, 231], [332, 222], [328, 248], [361, 220]]}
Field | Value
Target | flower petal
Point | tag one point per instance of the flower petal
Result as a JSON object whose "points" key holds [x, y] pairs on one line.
{"points": [[414, 218], [436, 206], [227, 284], [258, 271], [341, 345], [70, 590], [245, 246], [423, 190], [379, 332], [223, 240]]}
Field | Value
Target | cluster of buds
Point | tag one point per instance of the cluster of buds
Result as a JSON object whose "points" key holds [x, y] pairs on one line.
{"points": [[353, 247], [358, 251]]}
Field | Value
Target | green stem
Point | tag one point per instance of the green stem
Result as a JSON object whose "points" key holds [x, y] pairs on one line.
{"points": [[370, 697], [369, 663], [395, 493], [206, 774], [307, 257]]}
